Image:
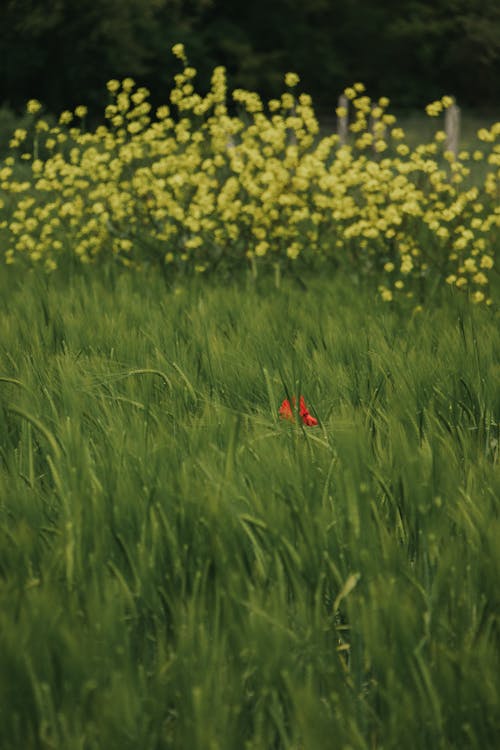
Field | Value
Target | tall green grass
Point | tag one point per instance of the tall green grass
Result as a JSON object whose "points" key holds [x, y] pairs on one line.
{"points": [[181, 569]]}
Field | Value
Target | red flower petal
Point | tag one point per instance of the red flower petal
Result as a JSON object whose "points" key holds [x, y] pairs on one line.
{"points": [[286, 412], [309, 420]]}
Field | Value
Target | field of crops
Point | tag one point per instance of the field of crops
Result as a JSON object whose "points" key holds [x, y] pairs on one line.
{"points": [[249, 429], [181, 568]]}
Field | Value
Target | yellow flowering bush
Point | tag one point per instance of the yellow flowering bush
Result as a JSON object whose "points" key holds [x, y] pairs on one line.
{"points": [[195, 186]]}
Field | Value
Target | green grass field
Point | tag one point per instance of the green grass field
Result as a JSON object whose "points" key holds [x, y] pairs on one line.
{"points": [[179, 568]]}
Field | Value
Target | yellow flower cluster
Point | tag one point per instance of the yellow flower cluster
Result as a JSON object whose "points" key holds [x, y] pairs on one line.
{"points": [[193, 186], [435, 108]]}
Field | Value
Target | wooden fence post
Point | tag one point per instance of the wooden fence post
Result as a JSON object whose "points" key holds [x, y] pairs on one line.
{"points": [[343, 120], [452, 128]]}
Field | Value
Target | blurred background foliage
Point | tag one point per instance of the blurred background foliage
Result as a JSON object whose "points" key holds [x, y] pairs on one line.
{"points": [[63, 51]]}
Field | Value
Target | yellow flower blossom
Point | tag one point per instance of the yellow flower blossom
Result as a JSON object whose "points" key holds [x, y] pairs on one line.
{"points": [[406, 264], [386, 294], [485, 135], [291, 79], [128, 84], [178, 51], [487, 262], [480, 278], [33, 106], [470, 265]]}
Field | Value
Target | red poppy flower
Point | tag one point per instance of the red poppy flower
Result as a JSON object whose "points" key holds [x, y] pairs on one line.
{"points": [[286, 412]]}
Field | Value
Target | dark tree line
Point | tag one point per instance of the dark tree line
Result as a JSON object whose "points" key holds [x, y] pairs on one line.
{"points": [[63, 51]]}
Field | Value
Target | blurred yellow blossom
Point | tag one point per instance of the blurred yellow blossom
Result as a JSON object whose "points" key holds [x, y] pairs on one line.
{"points": [[291, 79], [33, 106]]}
